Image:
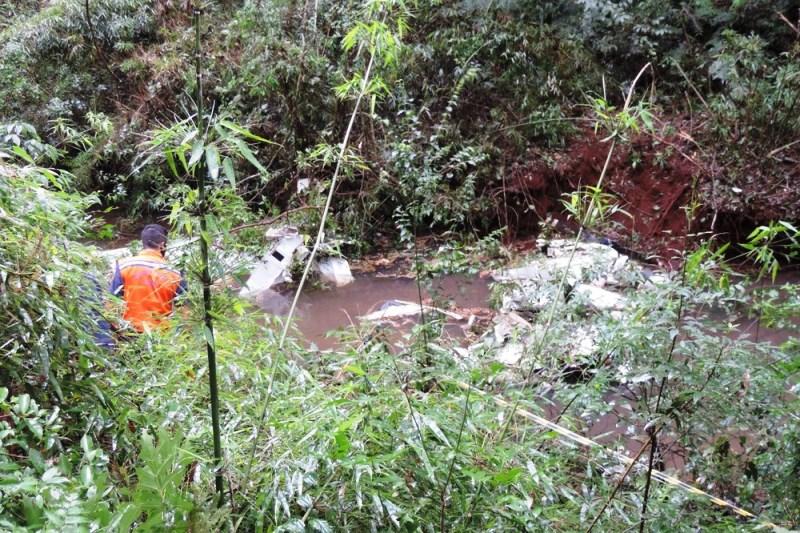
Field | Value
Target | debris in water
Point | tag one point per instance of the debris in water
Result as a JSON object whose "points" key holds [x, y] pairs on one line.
{"points": [[402, 308], [272, 302], [594, 274], [273, 267], [534, 286], [335, 270], [600, 299], [510, 354]]}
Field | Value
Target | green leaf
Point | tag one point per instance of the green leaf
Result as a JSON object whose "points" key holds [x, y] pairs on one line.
{"points": [[245, 152], [197, 153], [34, 516], [321, 526], [87, 476], [189, 136], [341, 445], [435, 429], [55, 384], [506, 477], [355, 369], [244, 132], [209, 336], [171, 163], [476, 475], [86, 444], [495, 368], [20, 151], [182, 158], [52, 476], [23, 404], [37, 460], [227, 167], [129, 515], [212, 160], [351, 38]]}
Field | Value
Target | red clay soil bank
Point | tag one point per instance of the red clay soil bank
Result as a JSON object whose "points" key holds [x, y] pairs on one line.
{"points": [[652, 180], [652, 183]]}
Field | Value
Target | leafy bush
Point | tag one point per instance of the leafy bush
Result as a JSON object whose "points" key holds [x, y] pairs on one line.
{"points": [[45, 486], [65, 30], [47, 289], [760, 93], [21, 141]]}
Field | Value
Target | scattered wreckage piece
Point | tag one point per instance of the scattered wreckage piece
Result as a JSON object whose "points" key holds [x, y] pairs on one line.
{"points": [[595, 274], [274, 267], [600, 299], [588, 268], [335, 270], [400, 308]]}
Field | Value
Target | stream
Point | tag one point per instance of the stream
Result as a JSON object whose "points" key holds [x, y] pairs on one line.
{"points": [[321, 311]]}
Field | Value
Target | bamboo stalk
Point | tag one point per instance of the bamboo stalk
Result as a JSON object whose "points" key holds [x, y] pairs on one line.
{"points": [[208, 322]]}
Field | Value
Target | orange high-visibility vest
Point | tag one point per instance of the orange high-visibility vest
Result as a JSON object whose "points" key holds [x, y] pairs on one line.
{"points": [[149, 286]]}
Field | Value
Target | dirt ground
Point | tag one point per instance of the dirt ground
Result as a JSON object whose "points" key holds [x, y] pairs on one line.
{"points": [[654, 181]]}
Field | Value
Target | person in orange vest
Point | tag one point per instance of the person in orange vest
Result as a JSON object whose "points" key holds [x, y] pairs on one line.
{"points": [[147, 283]]}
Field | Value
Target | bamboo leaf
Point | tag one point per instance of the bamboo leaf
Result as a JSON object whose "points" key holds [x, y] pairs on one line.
{"points": [[209, 336], [197, 153], [212, 160], [171, 163], [351, 38], [20, 151], [182, 159], [227, 167], [355, 369], [245, 152], [189, 137], [341, 445], [506, 477], [245, 132]]}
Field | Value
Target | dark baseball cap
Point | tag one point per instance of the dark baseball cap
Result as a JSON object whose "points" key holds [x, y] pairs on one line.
{"points": [[154, 236]]}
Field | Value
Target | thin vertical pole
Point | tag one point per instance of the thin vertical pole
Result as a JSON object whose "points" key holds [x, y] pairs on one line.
{"points": [[206, 275]]}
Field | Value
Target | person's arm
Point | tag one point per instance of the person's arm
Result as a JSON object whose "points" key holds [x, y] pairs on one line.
{"points": [[117, 287], [182, 286]]}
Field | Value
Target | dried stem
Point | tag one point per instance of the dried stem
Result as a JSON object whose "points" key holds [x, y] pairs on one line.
{"points": [[618, 485]]}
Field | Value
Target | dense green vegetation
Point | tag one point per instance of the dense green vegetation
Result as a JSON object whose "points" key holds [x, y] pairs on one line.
{"points": [[478, 89], [467, 117]]}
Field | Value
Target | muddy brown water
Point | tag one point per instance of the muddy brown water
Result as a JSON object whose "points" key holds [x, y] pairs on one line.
{"points": [[324, 310], [321, 311], [752, 328]]}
